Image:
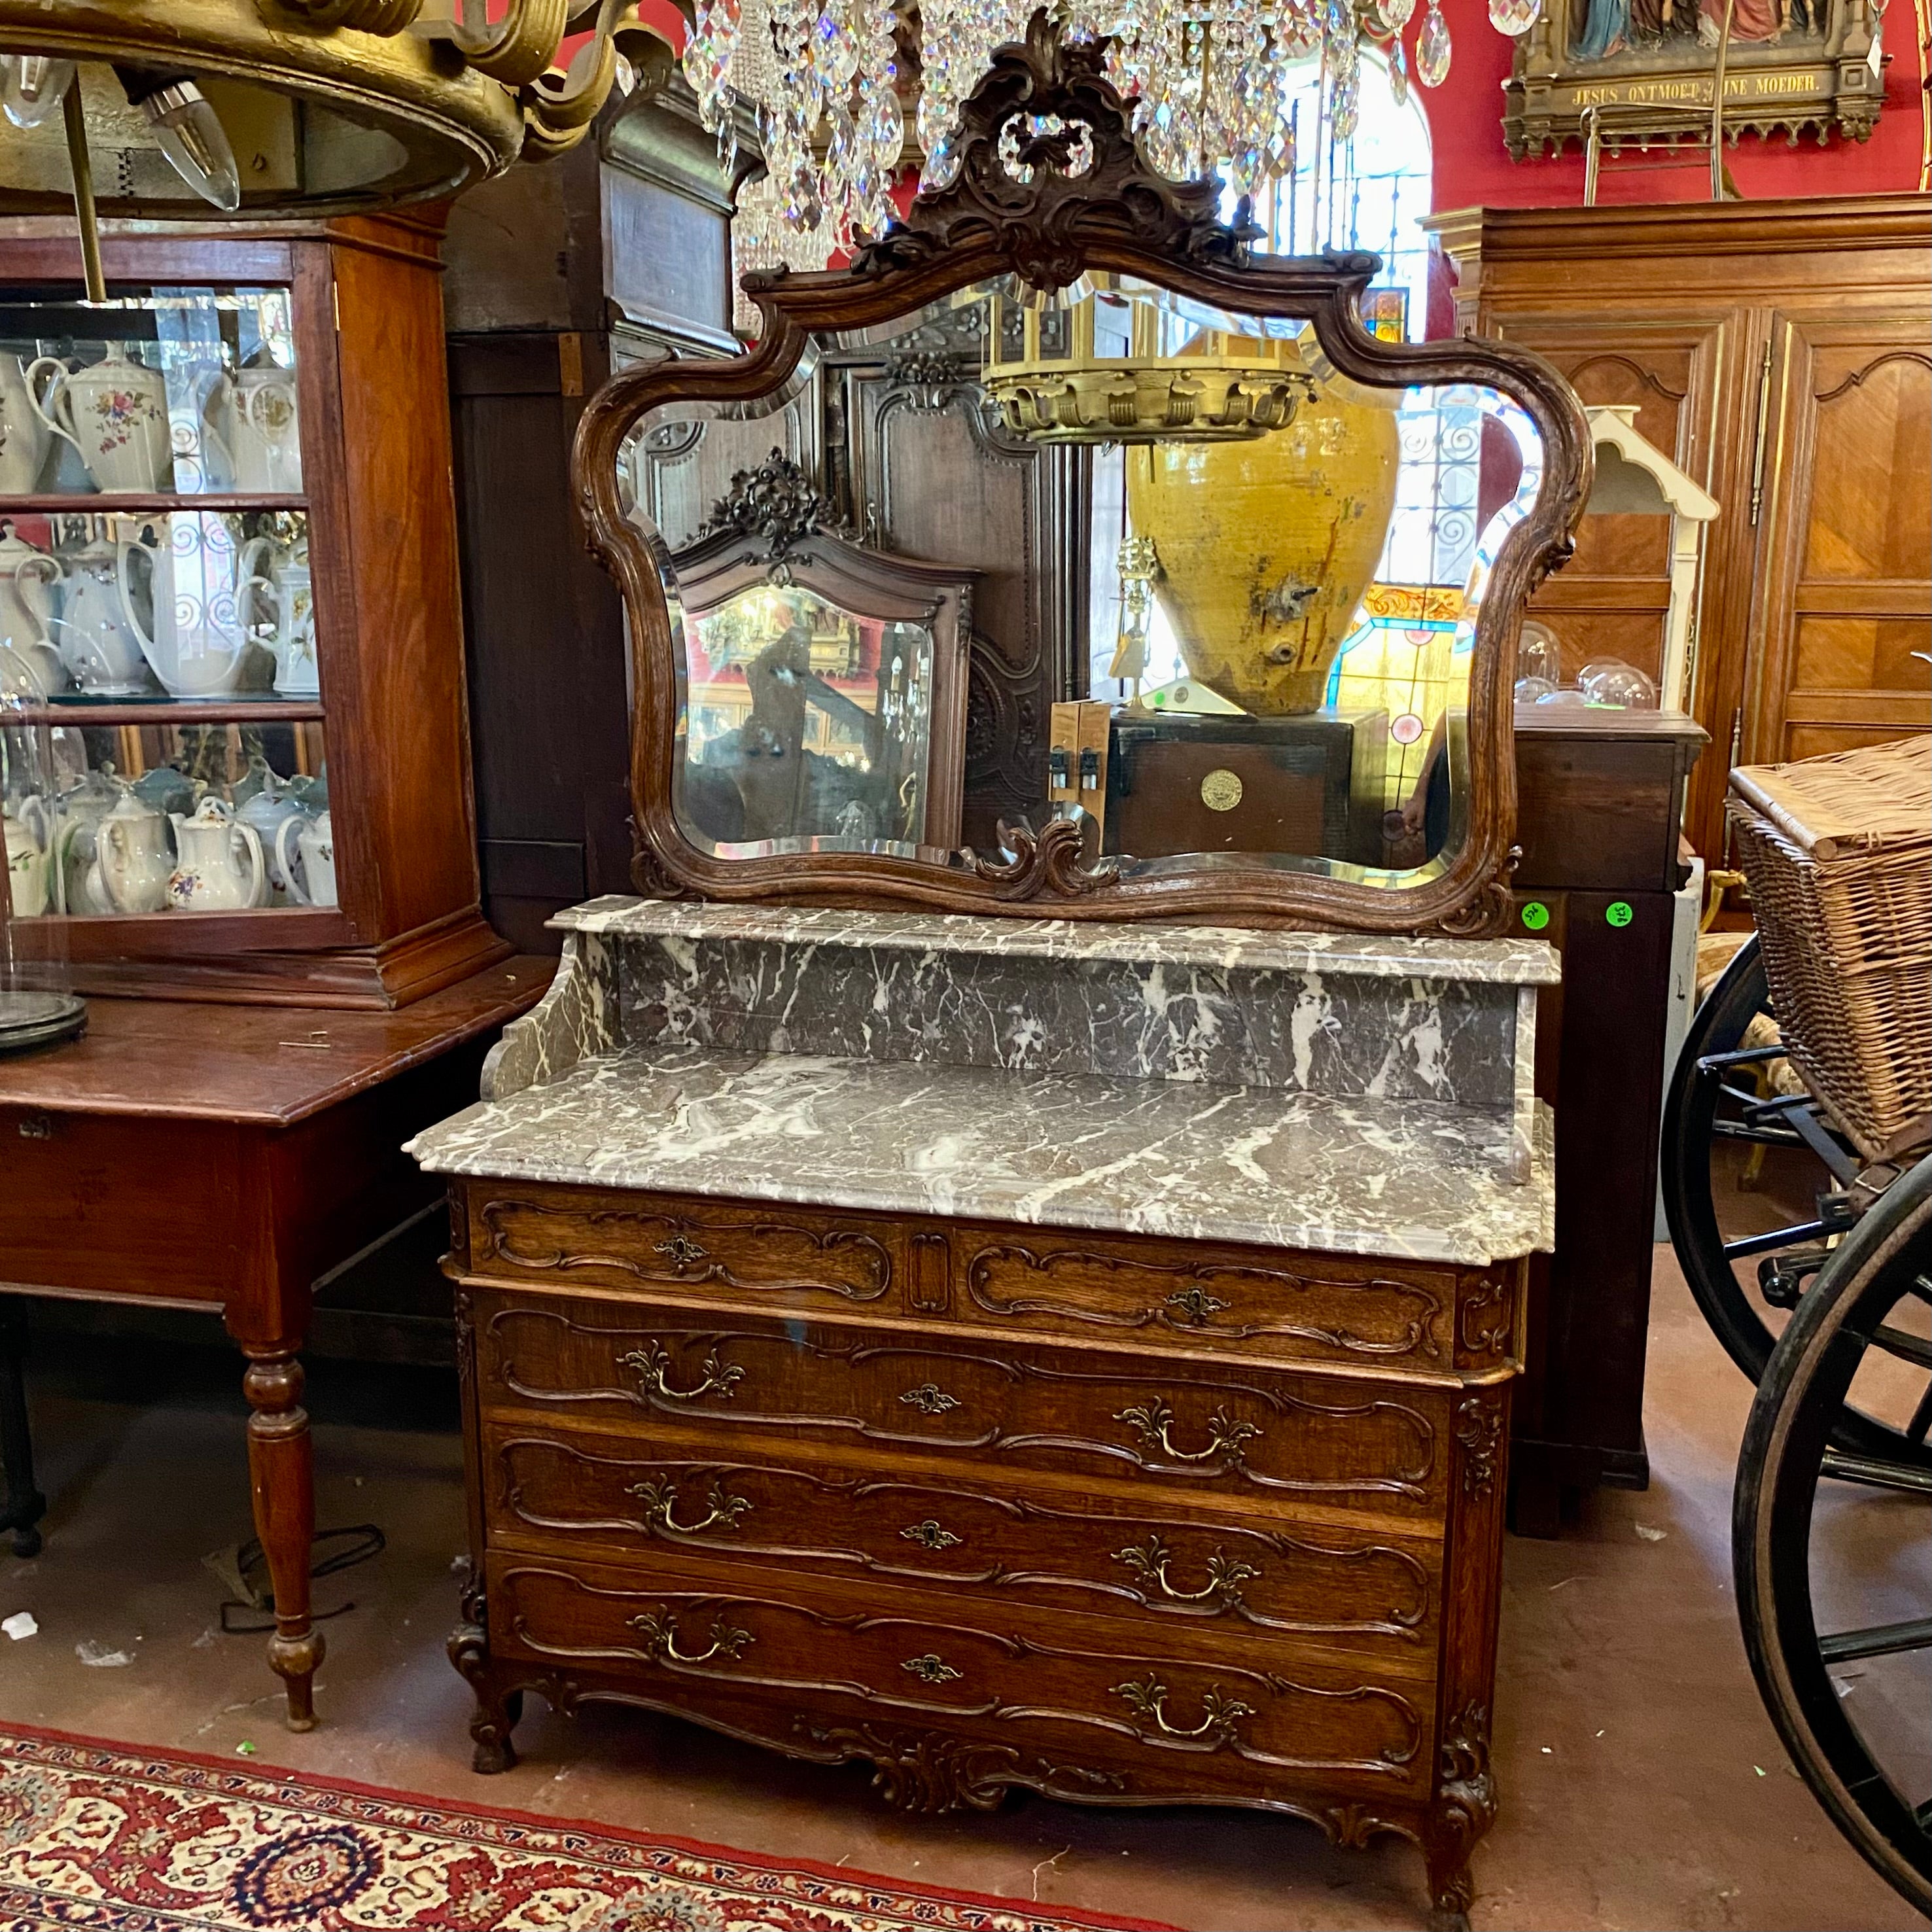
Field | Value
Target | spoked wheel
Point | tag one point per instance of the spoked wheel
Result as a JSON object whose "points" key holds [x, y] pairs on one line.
{"points": [[1758, 1185], [1832, 1559]]}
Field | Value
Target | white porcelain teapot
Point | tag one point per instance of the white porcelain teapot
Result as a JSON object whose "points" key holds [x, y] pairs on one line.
{"points": [[218, 863], [133, 866], [115, 412], [24, 435], [97, 644], [305, 850]]}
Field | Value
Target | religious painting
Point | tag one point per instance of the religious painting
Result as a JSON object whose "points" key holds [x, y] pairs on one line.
{"points": [[1639, 71]]}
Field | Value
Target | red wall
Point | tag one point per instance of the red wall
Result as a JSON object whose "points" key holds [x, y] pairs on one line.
{"points": [[1473, 168]]}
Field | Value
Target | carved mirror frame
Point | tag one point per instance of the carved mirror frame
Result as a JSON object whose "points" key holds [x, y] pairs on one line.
{"points": [[1079, 197], [774, 532]]}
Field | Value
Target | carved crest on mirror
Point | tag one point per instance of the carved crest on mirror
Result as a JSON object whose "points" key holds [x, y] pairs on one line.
{"points": [[986, 309]]}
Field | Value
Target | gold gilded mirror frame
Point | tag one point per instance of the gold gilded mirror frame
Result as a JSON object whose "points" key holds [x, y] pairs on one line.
{"points": [[1073, 194]]}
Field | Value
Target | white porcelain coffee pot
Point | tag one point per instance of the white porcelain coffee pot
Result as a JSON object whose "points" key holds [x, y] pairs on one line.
{"points": [[274, 586], [28, 576], [115, 412], [193, 641], [218, 863], [78, 811], [312, 881], [97, 642], [248, 425], [24, 435], [133, 866]]}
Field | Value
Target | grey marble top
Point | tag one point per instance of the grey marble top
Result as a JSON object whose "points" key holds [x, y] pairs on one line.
{"points": [[1156, 1157], [1518, 962]]}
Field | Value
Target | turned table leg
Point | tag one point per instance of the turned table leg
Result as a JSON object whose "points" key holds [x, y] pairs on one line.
{"points": [[281, 1470], [24, 1505]]}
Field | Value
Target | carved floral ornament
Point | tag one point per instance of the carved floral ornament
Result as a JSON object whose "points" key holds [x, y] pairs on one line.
{"points": [[1049, 186]]}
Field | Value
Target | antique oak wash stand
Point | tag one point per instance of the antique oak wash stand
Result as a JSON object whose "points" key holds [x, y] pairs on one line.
{"points": [[1018, 1353], [193, 1155]]}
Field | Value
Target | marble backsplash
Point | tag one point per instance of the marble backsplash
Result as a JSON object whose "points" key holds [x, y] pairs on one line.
{"points": [[1335, 1033]]}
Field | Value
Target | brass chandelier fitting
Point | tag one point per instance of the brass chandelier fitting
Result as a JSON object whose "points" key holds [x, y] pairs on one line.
{"points": [[1214, 386], [259, 108]]}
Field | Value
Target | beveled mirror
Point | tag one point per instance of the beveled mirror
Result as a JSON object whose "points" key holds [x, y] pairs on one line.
{"points": [[1066, 554]]}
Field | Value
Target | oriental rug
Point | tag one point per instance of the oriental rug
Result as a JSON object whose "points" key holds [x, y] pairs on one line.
{"points": [[123, 1839]]}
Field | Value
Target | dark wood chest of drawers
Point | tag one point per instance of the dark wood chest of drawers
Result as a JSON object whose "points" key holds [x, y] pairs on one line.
{"points": [[1122, 1519]]}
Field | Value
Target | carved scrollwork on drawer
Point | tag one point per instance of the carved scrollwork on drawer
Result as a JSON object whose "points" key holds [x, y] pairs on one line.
{"points": [[764, 1254], [1486, 1319], [1377, 1319]]}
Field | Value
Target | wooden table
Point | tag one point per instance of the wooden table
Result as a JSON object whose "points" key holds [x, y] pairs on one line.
{"points": [[187, 1152]]}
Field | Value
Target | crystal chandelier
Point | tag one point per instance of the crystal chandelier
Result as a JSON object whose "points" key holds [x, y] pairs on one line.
{"points": [[170, 108], [1213, 81]]}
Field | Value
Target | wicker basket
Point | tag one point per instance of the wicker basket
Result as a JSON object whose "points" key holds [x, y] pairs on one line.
{"points": [[1838, 851]]}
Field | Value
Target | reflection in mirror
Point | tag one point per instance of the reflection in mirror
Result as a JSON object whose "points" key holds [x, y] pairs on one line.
{"points": [[1209, 596]]}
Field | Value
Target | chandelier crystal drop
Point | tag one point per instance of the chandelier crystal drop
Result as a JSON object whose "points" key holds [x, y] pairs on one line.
{"points": [[1212, 81]]}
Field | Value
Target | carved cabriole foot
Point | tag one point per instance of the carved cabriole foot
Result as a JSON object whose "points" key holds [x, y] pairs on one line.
{"points": [[281, 1471], [499, 1703], [1465, 1809]]}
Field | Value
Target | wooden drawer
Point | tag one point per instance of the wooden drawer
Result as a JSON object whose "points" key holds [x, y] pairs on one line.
{"points": [[1043, 1682], [784, 1257], [1417, 1317], [976, 1530], [1239, 1430], [1256, 1301]]}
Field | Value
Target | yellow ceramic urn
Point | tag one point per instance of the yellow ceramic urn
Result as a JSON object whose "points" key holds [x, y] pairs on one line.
{"points": [[1266, 545]]}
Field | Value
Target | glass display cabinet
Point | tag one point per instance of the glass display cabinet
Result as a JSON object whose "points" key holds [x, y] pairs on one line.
{"points": [[227, 592]]}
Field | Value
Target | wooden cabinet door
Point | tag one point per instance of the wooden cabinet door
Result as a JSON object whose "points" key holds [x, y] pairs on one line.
{"points": [[1843, 621]]}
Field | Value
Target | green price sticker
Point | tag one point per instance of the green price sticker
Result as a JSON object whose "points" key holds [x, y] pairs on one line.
{"points": [[1536, 915], [1619, 913]]}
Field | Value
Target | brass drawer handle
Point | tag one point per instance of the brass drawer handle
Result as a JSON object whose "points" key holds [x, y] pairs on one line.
{"points": [[681, 1251], [931, 1669], [658, 1629], [1147, 1697], [928, 1535], [1225, 1579], [1196, 1304], [653, 1363], [929, 1398], [660, 1502], [1154, 1421]]}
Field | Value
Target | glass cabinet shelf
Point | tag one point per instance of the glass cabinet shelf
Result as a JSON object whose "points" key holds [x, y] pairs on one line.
{"points": [[159, 392]]}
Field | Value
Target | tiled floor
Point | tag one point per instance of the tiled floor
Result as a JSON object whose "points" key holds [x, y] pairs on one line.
{"points": [[1642, 1785]]}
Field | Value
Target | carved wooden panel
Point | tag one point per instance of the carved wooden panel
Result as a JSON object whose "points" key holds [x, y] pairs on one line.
{"points": [[1844, 615], [979, 1533], [1042, 1681], [678, 469], [1186, 1422], [801, 1258], [1178, 1290]]}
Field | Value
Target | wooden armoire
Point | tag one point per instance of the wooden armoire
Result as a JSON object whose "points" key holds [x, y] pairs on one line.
{"points": [[1781, 351]]}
